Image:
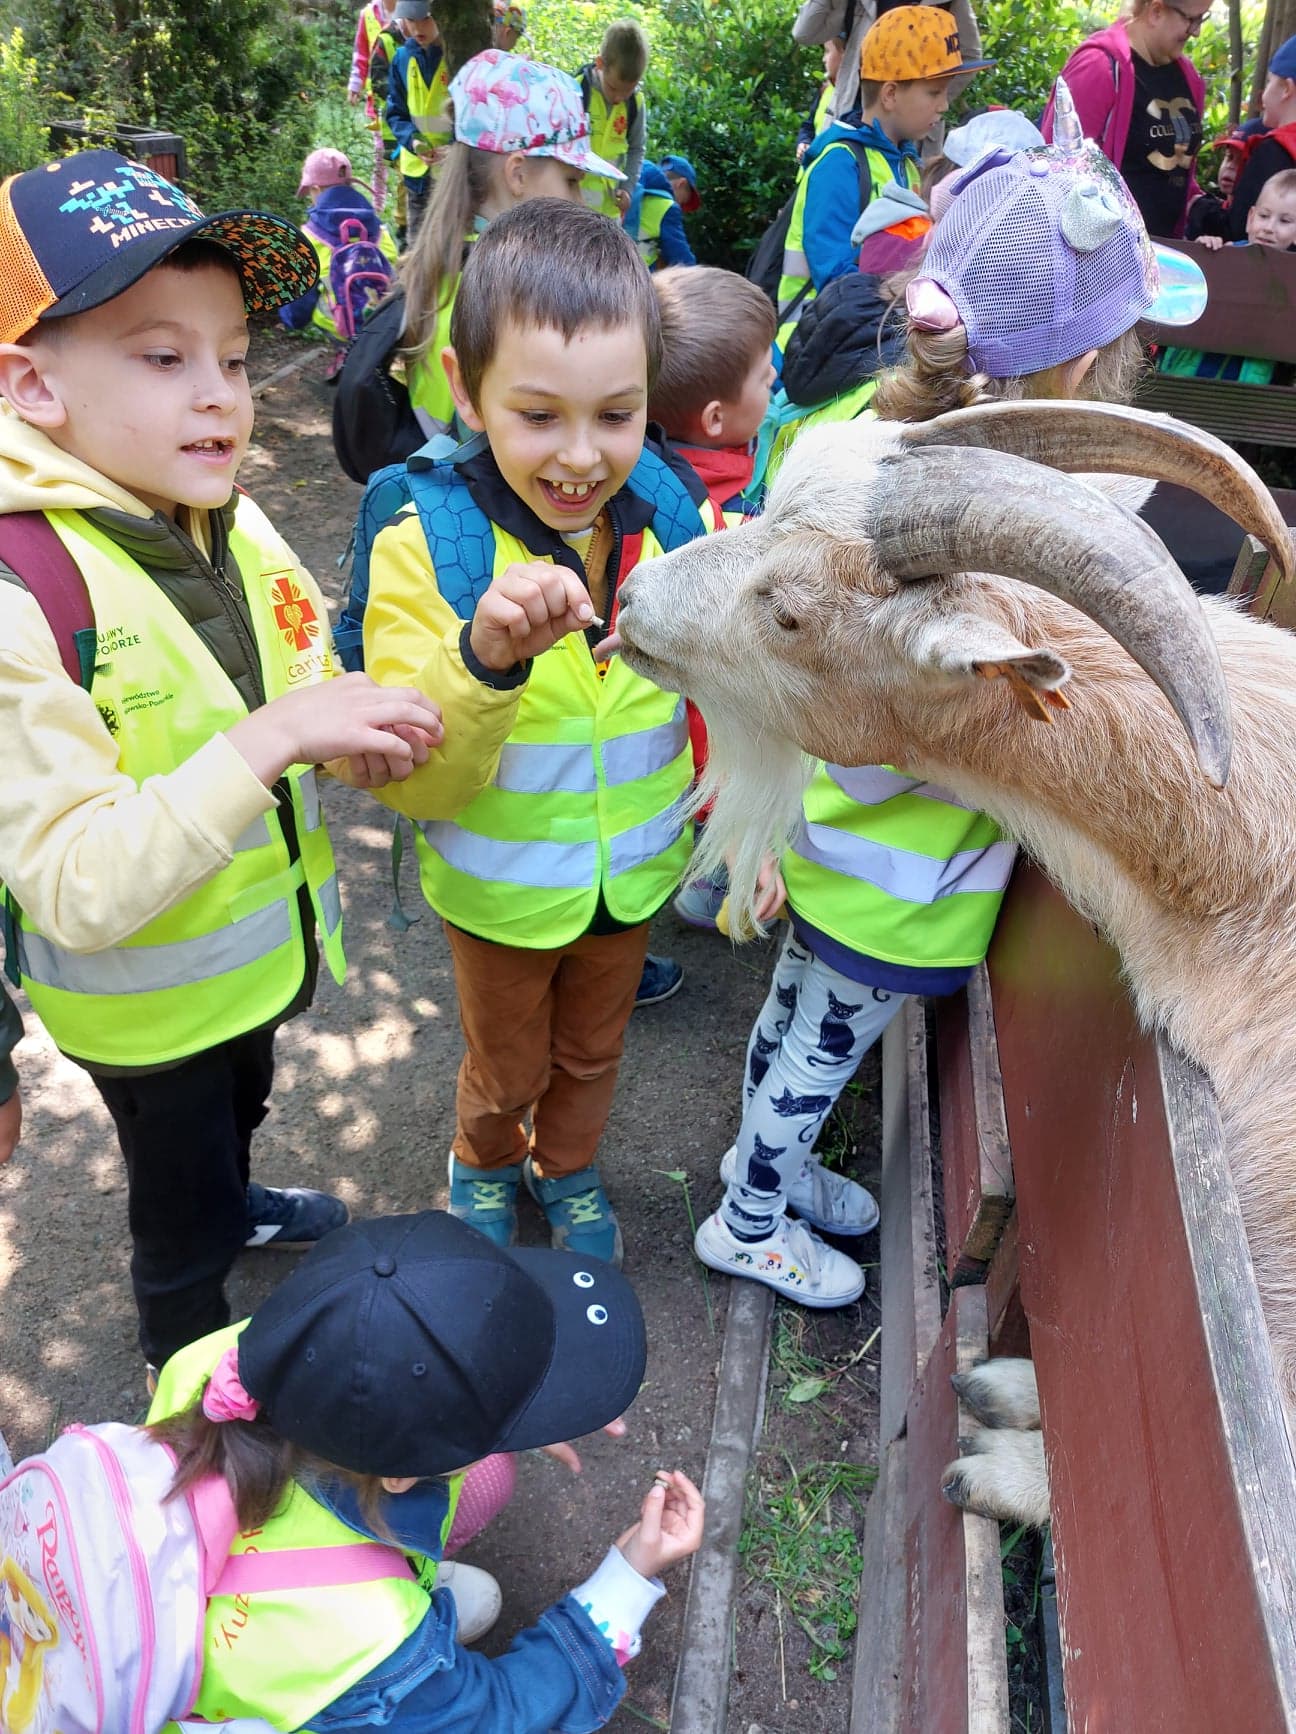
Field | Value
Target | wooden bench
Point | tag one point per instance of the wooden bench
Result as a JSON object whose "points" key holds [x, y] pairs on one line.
{"points": [[1251, 311], [1090, 1219]]}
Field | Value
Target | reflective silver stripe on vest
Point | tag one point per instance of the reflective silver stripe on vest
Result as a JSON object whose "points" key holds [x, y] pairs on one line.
{"points": [[253, 836], [310, 795], [626, 758], [535, 768], [547, 866], [153, 968], [795, 263], [870, 785], [645, 842], [330, 902], [901, 873]]}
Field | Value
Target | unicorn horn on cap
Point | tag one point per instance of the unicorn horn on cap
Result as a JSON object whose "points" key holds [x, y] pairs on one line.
{"points": [[1068, 134]]}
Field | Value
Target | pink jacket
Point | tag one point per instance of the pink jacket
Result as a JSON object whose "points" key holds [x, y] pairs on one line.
{"points": [[1100, 77], [360, 52]]}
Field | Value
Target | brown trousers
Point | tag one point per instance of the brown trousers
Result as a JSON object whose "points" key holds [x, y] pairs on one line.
{"points": [[543, 1032]]}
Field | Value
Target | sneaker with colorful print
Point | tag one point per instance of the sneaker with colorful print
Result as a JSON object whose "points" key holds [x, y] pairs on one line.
{"points": [[790, 1259]]}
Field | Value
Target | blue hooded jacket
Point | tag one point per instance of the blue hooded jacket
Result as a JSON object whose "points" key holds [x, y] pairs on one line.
{"points": [[673, 242], [832, 201], [559, 1674], [333, 207]]}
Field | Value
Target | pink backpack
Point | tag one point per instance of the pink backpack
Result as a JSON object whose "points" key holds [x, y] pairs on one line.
{"points": [[104, 1585]]}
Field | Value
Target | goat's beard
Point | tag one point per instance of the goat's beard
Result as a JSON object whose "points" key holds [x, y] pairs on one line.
{"points": [[756, 782]]}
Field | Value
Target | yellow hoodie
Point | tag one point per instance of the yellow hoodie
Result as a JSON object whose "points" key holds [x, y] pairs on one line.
{"points": [[91, 856]]}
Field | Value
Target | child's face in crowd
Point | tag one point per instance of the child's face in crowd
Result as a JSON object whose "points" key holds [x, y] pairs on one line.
{"points": [[565, 420], [1271, 221], [547, 178], [1276, 100], [1228, 172], [832, 58], [423, 30], [915, 107], [743, 416], [616, 87], [151, 389]]}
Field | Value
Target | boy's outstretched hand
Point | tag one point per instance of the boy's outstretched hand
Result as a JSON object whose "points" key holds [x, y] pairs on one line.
{"points": [[669, 1527], [385, 731], [530, 606]]}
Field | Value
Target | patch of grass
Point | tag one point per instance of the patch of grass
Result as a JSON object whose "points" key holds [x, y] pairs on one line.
{"points": [[838, 1138], [801, 1374], [1021, 1558], [802, 1540]]}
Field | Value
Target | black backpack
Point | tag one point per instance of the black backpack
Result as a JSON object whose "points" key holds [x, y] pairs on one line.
{"points": [[765, 267], [373, 421]]}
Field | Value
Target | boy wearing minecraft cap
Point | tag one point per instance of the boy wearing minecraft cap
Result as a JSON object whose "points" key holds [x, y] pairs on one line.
{"points": [[906, 63], [166, 694]]}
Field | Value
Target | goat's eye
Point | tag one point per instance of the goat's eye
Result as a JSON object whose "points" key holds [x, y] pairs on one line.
{"points": [[784, 618]]}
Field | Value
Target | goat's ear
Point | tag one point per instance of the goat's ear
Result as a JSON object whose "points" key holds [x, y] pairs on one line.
{"points": [[971, 647]]}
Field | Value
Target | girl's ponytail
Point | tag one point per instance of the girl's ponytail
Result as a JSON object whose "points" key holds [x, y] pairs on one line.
{"points": [[435, 257], [934, 379]]}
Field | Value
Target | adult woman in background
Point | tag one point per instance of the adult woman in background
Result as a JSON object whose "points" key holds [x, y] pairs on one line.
{"points": [[1141, 98]]}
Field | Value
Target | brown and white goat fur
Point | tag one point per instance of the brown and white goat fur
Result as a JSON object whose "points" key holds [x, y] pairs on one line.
{"points": [[792, 639]]}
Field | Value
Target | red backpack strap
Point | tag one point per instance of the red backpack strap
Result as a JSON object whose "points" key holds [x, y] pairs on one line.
{"points": [[31, 549]]}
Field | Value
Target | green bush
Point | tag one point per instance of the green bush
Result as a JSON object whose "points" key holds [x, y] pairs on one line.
{"points": [[726, 87], [236, 79], [23, 140]]}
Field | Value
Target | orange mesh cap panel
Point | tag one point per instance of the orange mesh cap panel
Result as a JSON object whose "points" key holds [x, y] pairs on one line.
{"points": [[911, 42], [25, 291]]}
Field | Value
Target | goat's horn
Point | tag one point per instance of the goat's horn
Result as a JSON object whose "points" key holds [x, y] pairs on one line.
{"points": [[1098, 437], [944, 509]]}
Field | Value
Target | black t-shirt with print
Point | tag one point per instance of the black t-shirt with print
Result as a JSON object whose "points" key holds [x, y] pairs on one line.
{"points": [[1164, 137]]}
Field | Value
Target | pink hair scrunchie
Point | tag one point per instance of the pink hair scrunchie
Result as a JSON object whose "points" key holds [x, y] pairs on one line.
{"points": [[225, 1399], [929, 307]]}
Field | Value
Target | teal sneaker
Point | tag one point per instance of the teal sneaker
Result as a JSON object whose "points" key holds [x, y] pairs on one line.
{"points": [[578, 1213], [487, 1198]]}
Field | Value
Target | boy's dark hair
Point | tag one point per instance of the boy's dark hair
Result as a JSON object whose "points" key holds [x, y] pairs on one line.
{"points": [[556, 264], [624, 50], [715, 327]]}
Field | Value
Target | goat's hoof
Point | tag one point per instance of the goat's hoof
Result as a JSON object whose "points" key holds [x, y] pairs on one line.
{"points": [[1000, 1393]]}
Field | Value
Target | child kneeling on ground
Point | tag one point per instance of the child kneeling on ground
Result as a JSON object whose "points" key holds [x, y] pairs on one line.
{"points": [[574, 836], [303, 1472]]}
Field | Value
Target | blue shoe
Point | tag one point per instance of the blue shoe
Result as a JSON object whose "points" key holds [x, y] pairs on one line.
{"points": [[291, 1216], [700, 900], [661, 977], [486, 1197], [578, 1213]]}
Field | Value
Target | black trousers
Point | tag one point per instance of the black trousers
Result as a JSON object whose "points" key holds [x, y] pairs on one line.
{"points": [[186, 1136]]}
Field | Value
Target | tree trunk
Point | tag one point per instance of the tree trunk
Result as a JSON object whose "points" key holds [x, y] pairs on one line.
{"points": [[1279, 24], [1236, 67], [465, 27]]}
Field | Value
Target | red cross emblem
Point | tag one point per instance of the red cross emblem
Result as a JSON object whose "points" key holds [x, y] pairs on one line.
{"points": [[294, 614]]}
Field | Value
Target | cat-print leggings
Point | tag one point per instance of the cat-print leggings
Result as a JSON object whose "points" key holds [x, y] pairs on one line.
{"points": [[812, 1032]]}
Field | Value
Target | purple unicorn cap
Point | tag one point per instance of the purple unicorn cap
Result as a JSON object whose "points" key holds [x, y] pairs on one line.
{"points": [[1043, 255], [503, 102]]}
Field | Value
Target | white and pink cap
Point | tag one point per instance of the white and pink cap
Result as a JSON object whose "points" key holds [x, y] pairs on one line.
{"points": [[504, 103]]}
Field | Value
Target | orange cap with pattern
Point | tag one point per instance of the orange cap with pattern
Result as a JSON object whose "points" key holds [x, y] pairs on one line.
{"points": [[913, 42]]}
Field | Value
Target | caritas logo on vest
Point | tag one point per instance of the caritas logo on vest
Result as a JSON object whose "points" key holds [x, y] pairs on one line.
{"points": [[300, 631]]}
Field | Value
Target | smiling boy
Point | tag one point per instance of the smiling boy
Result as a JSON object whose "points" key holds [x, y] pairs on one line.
{"points": [[546, 880], [165, 864]]}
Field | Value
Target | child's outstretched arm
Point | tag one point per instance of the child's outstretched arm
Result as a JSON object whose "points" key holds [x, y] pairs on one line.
{"points": [[563, 1672], [475, 669]]}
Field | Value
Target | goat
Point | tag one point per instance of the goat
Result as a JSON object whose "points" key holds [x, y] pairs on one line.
{"points": [[921, 596]]}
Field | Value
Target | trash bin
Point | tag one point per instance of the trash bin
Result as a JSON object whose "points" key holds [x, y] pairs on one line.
{"points": [[163, 152]]}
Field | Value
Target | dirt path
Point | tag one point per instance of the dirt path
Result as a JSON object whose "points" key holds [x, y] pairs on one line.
{"points": [[363, 1107]]}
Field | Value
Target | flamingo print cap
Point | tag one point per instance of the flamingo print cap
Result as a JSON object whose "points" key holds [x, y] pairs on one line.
{"points": [[505, 103]]}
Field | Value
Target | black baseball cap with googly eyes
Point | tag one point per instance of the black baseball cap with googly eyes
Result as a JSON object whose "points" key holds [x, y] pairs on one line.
{"points": [[413, 1345]]}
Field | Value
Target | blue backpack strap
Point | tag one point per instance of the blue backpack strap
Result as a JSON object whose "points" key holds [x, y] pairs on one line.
{"points": [[460, 537], [677, 518]]}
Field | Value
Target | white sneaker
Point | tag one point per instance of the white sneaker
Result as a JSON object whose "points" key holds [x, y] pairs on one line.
{"points": [[477, 1597], [827, 1201], [791, 1260]]}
